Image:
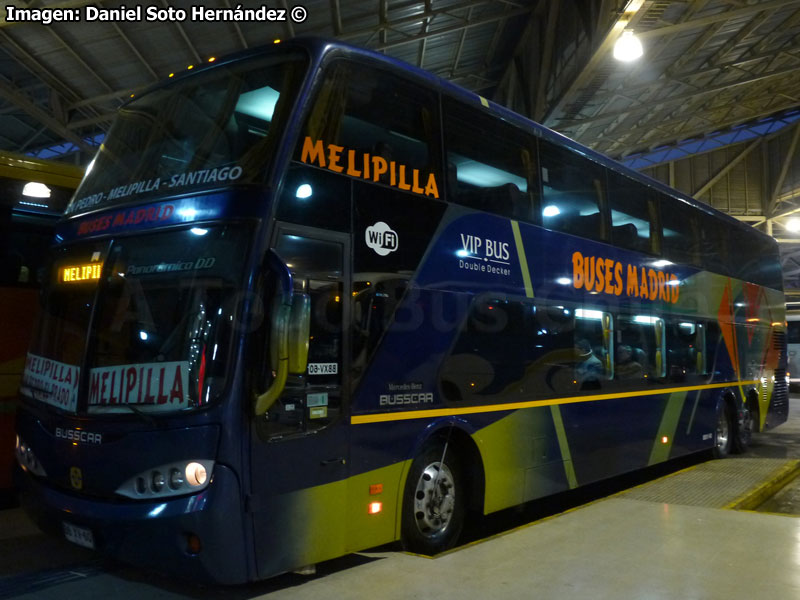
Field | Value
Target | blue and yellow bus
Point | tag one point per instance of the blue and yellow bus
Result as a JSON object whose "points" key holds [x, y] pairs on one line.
{"points": [[311, 300]]}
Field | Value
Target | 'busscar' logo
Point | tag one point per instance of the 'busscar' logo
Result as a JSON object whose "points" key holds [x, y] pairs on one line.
{"points": [[405, 399], [79, 435]]}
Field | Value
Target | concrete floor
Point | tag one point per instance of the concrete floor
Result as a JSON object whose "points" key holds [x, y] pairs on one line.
{"points": [[630, 545]]}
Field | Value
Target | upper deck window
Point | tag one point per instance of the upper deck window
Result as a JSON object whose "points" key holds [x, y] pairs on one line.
{"points": [[680, 241], [491, 165], [376, 126], [573, 189], [214, 129], [634, 214]]}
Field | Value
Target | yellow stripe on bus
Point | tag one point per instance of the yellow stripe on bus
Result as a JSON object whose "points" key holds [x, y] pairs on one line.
{"points": [[523, 262], [473, 410], [563, 444]]}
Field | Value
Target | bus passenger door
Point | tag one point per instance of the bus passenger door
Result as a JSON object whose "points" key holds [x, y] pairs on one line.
{"points": [[299, 450]]}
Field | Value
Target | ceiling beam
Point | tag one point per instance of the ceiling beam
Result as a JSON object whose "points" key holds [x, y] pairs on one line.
{"points": [[685, 77], [8, 91], [548, 47], [336, 17], [185, 36], [633, 11], [445, 30], [727, 168], [679, 98], [713, 19], [668, 138], [787, 162], [238, 29], [135, 50]]}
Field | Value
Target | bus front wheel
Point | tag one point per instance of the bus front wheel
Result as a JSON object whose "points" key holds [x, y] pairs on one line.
{"points": [[434, 500]]}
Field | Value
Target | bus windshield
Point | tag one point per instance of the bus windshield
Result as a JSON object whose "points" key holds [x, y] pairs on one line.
{"points": [[159, 311], [214, 129]]}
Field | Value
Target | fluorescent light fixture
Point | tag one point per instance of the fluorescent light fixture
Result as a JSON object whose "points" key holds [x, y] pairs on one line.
{"points": [[304, 191], [582, 313], [628, 47], [36, 190], [551, 210], [258, 103], [482, 175], [793, 225], [658, 264], [645, 319]]}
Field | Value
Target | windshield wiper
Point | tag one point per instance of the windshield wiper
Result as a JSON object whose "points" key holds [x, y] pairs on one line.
{"points": [[147, 418], [23, 388]]}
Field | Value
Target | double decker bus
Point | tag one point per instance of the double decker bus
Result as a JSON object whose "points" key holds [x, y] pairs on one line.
{"points": [[33, 194], [311, 300]]}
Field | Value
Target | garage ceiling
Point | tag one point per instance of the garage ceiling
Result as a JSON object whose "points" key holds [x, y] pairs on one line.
{"points": [[709, 64]]}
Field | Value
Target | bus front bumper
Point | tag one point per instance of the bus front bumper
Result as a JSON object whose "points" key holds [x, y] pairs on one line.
{"points": [[152, 534]]}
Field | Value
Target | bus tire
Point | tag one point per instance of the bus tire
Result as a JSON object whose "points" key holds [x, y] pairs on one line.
{"points": [[723, 431], [744, 431], [434, 500]]}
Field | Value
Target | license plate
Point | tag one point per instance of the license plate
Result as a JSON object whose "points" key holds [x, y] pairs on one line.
{"points": [[79, 535]]}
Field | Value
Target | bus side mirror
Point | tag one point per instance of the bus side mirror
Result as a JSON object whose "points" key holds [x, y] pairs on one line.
{"points": [[298, 333], [280, 318], [279, 357]]}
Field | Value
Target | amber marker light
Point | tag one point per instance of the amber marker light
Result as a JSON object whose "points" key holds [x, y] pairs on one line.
{"points": [[212, 59], [664, 440], [375, 507], [376, 489], [172, 74], [193, 544], [190, 67], [276, 41]]}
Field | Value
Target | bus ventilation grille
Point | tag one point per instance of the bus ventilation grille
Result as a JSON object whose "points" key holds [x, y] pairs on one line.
{"points": [[780, 391]]}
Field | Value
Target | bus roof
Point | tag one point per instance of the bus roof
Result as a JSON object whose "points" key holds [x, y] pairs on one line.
{"points": [[318, 47]]}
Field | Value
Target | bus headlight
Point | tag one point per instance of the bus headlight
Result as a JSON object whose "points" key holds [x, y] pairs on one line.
{"points": [[196, 474], [174, 479], [27, 459]]}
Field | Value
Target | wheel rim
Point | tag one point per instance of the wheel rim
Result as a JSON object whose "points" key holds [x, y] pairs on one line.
{"points": [[434, 499], [723, 431], [747, 425]]}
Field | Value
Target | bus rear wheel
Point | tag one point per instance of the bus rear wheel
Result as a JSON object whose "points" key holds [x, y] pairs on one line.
{"points": [[723, 432], [744, 431], [433, 501]]}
